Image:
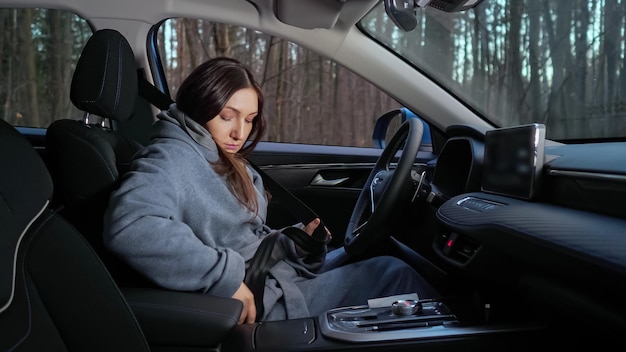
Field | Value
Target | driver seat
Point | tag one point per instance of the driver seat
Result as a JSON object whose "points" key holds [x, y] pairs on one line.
{"points": [[55, 293]]}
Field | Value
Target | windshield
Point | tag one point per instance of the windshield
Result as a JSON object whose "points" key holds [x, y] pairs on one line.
{"points": [[560, 63]]}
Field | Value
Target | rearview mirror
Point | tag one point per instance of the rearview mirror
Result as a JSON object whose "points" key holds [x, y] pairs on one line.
{"points": [[403, 12]]}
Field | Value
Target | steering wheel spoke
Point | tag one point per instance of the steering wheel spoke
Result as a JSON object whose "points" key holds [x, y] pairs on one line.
{"points": [[385, 189], [357, 231]]}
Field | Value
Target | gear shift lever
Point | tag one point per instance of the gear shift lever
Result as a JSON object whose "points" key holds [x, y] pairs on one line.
{"points": [[406, 307]]}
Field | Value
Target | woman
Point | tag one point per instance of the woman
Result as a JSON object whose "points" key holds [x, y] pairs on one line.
{"points": [[191, 213]]}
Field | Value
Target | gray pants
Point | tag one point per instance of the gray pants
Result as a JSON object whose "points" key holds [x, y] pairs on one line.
{"points": [[355, 283]]}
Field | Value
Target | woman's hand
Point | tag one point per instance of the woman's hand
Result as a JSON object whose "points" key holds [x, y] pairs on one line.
{"points": [[310, 227], [248, 313]]}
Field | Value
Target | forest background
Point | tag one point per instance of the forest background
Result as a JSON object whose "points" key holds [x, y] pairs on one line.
{"points": [[560, 63]]}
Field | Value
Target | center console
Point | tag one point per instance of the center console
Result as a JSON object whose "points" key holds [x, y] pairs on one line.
{"points": [[404, 324], [399, 321]]}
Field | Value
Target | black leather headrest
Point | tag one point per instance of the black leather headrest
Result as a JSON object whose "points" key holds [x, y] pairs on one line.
{"points": [[105, 79], [25, 188]]}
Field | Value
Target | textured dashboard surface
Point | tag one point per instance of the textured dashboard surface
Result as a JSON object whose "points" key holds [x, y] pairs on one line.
{"points": [[585, 236]]}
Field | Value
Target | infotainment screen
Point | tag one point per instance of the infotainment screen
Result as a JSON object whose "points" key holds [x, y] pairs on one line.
{"points": [[513, 161]]}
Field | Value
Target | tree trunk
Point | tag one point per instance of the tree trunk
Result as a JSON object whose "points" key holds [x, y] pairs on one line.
{"points": [[535, 61], [28, 60], [513, 66], [222, 41]]}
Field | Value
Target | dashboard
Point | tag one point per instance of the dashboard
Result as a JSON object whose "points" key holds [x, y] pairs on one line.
{"points": [[563, 244]]}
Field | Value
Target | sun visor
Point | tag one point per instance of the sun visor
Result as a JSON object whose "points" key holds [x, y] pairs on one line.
{"points": [[309, 14]]}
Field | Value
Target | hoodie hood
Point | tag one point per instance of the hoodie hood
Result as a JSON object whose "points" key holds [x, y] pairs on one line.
{"points": [[196, 131]]}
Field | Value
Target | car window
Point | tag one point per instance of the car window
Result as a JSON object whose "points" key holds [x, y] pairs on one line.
{"points": [[308, 98], [559, 63], [39, 49]]}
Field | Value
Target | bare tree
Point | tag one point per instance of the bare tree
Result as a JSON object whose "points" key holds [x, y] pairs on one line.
{"points": [[27, 56]]}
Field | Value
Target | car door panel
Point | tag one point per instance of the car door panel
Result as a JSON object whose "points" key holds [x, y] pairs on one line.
{"points": [[328, 179]]}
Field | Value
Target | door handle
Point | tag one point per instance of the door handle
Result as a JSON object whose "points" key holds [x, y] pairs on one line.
{"points": [[319, 180]]}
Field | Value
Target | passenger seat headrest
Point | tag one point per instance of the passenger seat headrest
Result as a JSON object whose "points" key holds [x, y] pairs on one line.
{"points": [[105, 80]]}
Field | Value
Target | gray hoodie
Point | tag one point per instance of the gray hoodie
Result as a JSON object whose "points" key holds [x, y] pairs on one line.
{"points": [[175, 220]]}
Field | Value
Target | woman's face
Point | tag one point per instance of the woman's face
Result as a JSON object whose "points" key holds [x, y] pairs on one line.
{"points": [[232, 126]]}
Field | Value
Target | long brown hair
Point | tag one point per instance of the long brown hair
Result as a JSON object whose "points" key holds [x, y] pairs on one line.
{"points": [[203, 95]]}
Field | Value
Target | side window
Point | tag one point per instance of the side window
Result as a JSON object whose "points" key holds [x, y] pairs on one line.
{"points": [[308, 99], [39, 49]]}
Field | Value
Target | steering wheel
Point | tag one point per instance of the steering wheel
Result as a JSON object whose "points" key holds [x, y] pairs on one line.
{"points": [[384, 189]]}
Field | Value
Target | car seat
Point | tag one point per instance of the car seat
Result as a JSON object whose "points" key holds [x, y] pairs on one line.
{"points": [[87, 161], [55, 293], [86, 158]]}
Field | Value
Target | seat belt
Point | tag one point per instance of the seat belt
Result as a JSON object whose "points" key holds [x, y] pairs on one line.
{"points": [[263, 260], [151, 93], [293, 204]]}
